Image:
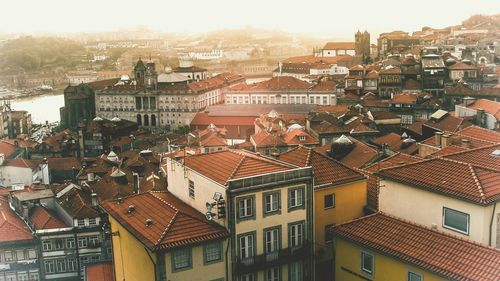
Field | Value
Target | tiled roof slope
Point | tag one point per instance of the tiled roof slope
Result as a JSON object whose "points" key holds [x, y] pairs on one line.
{"points": [[12, 227], [174, 223], [223, 166], [100, 272], [480, 133], [428, 249], [481, 157], [326, 170], [42, 218], [359, 156], [453, 178]]}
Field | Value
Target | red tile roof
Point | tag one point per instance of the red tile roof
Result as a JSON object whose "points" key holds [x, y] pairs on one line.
{"points": [[448, 123], [12, 227], [359, 156], [406, 98], [78, 204], [223, 166], [480, 133], [462, 66], [63, 163], [174, 223], [42, 218], [450, 149], [213, 140], [326, 170], [100, 272], [315, 59], [491, 107], [6, 148], [422, 247], [396, 143], [339, 46], [481, 157], [452, 178], [22, 163], [204, 119]]}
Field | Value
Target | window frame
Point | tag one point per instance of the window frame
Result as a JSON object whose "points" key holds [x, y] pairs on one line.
{"points": [[205, 252], [290, 239], [278, 242], [301, 270], [252, 205], [272, 194], [453, 228], [191, 191], [302, 201], [190, 260], [409, 272], [362, 263], [333, 201], [252, 234]]}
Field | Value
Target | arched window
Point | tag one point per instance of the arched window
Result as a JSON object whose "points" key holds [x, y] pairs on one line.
{"points": [[146, 120], [153, 120], [139, 119]]}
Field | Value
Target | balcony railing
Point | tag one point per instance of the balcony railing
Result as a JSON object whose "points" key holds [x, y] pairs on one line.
{"points": [[272, 259]]}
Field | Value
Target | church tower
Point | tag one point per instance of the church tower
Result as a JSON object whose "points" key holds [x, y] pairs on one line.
{"points": [[150, 76], [139, 71]]}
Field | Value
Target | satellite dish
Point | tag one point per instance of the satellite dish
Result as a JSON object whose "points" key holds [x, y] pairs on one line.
{"points": [[209, 216]]}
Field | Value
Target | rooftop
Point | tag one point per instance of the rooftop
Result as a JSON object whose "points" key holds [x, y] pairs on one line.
{"points": [[43, 218], [161, 221], [422, 247], [461, 180], [12, 227], [326, 170], [226, 165]]}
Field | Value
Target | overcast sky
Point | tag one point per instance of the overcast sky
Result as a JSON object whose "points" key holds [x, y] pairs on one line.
{"points": [[316, 17]]}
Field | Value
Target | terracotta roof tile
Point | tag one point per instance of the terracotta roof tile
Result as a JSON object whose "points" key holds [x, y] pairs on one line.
{"points": [[427, 249], [43, 218], [339, 46], [480, 133], [174, 223], [326, 170], [481, 157], [396, 143], [361, 154], [461, 66], [6, 148], [12, 227], [453, 178], [223, 166], [491, 107]]}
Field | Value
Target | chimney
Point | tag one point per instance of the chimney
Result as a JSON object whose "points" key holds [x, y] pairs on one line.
{"points": [[480, 117], [465, 143], [26, 211], [445, 140], [468, 101], [136, 182], [94, 199], [437, 138]]}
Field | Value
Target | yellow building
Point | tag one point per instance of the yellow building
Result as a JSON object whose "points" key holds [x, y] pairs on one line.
{"points": [[382, 247], [158, 237], [266, 205], [340, 195]]}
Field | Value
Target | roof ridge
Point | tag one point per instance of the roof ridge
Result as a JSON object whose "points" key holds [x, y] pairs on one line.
{"points": [[169, 225], [472, 149], [237, 167], [478, 183], [357, 170]]}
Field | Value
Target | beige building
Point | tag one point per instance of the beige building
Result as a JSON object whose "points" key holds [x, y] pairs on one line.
{"points": [[452, 196], [264, 203]]}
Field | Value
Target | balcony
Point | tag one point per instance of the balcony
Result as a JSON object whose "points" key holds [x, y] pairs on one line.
{"points": [[283, 256]]}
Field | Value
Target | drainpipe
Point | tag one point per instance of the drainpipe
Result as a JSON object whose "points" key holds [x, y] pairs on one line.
{"points": [[491, 223]]}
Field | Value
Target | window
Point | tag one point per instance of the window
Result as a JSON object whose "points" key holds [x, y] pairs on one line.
{"points": [[191, 189], [182, 259], [273, 274], [296, 271], [295, 198], [328, 233], [413, 276], [246, 245], [34, 275], [61, 265], [92, 221], [8, 256], [82, 242], [22, 276], [296, 233], [367, 263], [72, 264], [81, 222], [329, 201], [20, 255], [47, 245], [50, 266], [59, 244], [213, 252], [272, 240], [245, 207], [70, 243], [247, 277], [456, 220], [94, 240], [10, 276], [271, 202], [31, 254]]}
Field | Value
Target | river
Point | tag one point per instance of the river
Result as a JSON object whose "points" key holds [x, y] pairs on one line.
{"points": [[42, 108]]}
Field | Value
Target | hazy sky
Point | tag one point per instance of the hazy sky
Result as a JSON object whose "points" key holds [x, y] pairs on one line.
{"points": [[316, 17]]}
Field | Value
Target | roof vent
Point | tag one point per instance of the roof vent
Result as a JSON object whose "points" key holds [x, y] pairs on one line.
{"points": [[496, 153], [119, 200], [149, 222], [130, 209]]}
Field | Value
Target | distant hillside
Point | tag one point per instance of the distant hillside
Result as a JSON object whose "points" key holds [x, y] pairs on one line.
{"points": [[29, 54]]}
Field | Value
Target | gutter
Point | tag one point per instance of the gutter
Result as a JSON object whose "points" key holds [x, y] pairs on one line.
{"points": [[491, 223]]}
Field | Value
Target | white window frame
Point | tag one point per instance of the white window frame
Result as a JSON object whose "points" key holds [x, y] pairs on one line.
{"points": [[363, 267], [247, 246], [453, 228], [410, 273]]}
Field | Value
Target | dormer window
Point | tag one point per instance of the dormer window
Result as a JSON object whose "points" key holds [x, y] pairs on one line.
{"points": [[302, 138]]}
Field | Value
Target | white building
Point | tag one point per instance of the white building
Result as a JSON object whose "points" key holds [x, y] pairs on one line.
{"points": [[333, 49]]}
